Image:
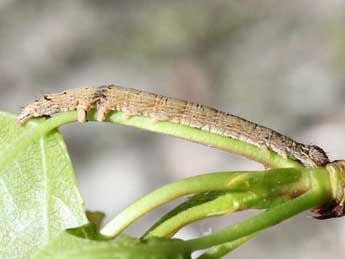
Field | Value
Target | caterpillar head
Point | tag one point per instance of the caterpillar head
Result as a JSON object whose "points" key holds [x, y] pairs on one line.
{"points": [[318, 155], [35, 109]]}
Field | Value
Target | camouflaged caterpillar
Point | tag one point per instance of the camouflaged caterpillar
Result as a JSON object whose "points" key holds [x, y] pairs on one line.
{"points": [[135, 102]]}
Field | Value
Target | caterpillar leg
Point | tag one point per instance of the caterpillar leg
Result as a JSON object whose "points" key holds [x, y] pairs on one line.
{"points": [[281, 151], [102, 113], [267, 167], [262, 145], [82, 115], [82, 110]]}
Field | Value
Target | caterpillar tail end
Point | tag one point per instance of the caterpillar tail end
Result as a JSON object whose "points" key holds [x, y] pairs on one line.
{"points": [[22, 118]]}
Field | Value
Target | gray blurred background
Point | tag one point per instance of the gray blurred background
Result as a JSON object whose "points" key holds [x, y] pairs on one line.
{"points": [[278, 63]]}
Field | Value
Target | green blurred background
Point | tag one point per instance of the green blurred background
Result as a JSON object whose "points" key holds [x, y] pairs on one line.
{"points": [[278, 63]]}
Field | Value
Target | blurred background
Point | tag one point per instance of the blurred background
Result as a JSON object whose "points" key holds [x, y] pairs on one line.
{"points": [[278, 63]]}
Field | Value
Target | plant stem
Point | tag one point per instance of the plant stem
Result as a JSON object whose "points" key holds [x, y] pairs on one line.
{"points": [[169, 192], [203, 137], [268, 183], [222, 205], [270, 158], [314, 198], [222, 250]]}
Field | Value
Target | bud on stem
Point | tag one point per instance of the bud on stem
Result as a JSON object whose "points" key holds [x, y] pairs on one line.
{"points": [[334, 208]]}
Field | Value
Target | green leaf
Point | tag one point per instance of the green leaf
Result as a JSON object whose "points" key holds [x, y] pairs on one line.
{"points": [[86, 243], [39, 196]]}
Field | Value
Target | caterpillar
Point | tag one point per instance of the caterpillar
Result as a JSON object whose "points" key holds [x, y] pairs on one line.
{"points": [[131, 102]]}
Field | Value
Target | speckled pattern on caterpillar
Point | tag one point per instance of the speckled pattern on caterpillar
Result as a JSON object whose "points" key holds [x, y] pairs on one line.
{"points": [[133, 102]]}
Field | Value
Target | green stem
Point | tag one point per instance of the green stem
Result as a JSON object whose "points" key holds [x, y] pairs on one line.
{"points": [[35, 130], [224, 204], [222, 250], [203, 137], [314, 198], [202, 183], [267, 183]]}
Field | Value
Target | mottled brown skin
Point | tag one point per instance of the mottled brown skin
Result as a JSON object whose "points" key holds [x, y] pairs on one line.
{"points": [[135, 102], [74, 99]]}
